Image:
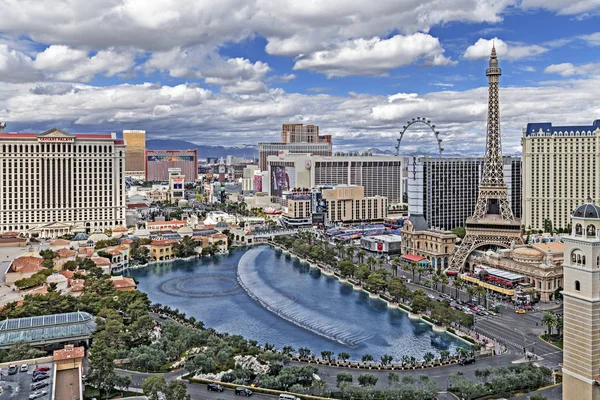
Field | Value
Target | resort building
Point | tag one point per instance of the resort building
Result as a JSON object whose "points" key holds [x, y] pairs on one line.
{"points": [[295, 138], [537, 265], [444, 190], [434, 245], [162, 249], [385, 244], [560, 170], [379, 175], [135, 153], [348, 204], [68, 367], [158, 163], [581, 357], [55, 182]]}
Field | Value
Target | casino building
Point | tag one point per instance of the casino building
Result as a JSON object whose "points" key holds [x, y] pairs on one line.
{"points": [[56, 182], [158, 163]]}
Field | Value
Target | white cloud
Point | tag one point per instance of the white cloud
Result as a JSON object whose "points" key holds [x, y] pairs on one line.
{"points": [[374, 56], [564, 7], [568, 69], [16, 66], [511, 51], [592, 39], [235, 75]]}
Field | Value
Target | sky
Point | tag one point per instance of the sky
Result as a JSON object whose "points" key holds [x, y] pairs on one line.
{"points": [[230, 72]]}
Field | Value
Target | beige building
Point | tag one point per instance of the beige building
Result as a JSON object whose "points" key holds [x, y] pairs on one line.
{"points": [[540, 264], [348, 204], [581, 359], [560, 165], [437, 246], [135, 152], [56, 182]]}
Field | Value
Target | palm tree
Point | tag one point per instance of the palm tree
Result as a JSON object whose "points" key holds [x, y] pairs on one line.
{"points": [[367, 357], [428, 357], [371, 261], [444, 354], [471, 290], [405, 359], [549, 320], [339, 246], [559, 324], [395, 265], [481, 291], [413, 267], [343, 356], [420, 270], [361, 255], [350, 252], [444, 281], [287, 350], [436, 280]]}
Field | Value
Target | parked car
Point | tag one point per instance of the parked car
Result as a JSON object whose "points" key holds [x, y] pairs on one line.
{"points": [[24, 368], [467, 361], [521, 311], [40, 377], [41, 369], [243, 391], [38, 385], [39, 373], [37, 395], [214, 387], [12, 369]]}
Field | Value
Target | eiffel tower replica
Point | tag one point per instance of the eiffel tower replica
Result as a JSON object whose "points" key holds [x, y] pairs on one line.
{"points": [[492, 222]]}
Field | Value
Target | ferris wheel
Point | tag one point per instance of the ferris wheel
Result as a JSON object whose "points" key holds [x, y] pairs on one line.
{"points": [[428, 125]]}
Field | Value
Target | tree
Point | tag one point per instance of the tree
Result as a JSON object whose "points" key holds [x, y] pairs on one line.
{"points": [[153, 386], [176, 390], [376, 281], [549, 320], [287, 350], [458, 283], [22, 351], [371, 262], [362, 273], [460, 231], [347, 268], [101, 372], [327, 355], [367, 380], [444, 281], [361, 255], [483, 374], [344, 356], [428, 357], [386, 359], [420, 302], [397, 289], [367, 358], [435, 280], [393, 378], [343, 377]]}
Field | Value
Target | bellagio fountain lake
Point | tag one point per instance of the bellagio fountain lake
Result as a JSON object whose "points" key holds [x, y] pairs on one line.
{"points": [[265, 295]]}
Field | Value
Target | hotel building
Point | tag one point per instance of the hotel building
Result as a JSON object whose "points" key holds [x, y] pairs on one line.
{"points": [[295, 138], [55, 182], [560, 170], [444, 190], [135, 152], [379, 175], [348, 204], [158, 163]]}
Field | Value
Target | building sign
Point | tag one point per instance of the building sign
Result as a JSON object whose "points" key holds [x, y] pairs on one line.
{"points": [[60, 139], [379, 246]]}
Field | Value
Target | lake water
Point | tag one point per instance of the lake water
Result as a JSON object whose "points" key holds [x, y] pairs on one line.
{"points": [[263, 294]]}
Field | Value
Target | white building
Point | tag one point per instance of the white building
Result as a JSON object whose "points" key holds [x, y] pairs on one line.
{"points": [[379, 175], [560, 170], [55, 182]]}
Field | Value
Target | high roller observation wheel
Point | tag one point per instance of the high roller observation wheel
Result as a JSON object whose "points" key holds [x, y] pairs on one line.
{"points": [[421, 121]]}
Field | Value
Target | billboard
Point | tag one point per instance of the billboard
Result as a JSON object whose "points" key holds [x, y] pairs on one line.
{"points": [[257, 182], [282, 179], [169, 158]]}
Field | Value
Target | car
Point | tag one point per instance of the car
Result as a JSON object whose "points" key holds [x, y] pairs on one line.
{"points": [[244, 391], [162, 316], [24, 368], [39, 373], [38, 385], [467, 361], [432, 297], [37, 395], [12, 369], [41, 369], [214, 387], [521, 311], [40, 377]]}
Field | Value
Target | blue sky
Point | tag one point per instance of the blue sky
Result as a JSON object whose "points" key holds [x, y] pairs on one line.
{"points": [[232, 72]]}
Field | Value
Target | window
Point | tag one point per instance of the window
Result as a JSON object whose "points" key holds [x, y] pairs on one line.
{"points": [[577, 286]]}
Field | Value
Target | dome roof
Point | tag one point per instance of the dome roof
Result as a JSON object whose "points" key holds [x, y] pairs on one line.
{"points": [[185, 231], [527, 251], [587, 210], [96, 237]]}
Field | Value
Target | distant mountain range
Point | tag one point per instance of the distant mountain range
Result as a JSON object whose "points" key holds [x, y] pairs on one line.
{"points": [[244, 150]]}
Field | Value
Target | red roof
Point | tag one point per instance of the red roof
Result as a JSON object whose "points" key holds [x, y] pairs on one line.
{"points": [[69, 352], [174, 222], [8, 135], [137, 205], [413, 257]]}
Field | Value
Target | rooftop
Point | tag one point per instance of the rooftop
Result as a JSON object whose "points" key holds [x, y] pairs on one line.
{"points": [[47, 328], [69, 352], [547, 128]]}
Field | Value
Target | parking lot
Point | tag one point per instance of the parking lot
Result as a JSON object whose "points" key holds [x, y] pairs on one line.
{"points": [[17, 386]]}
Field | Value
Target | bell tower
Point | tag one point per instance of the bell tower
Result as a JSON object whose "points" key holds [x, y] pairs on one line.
{"points": [[581, 330]]}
